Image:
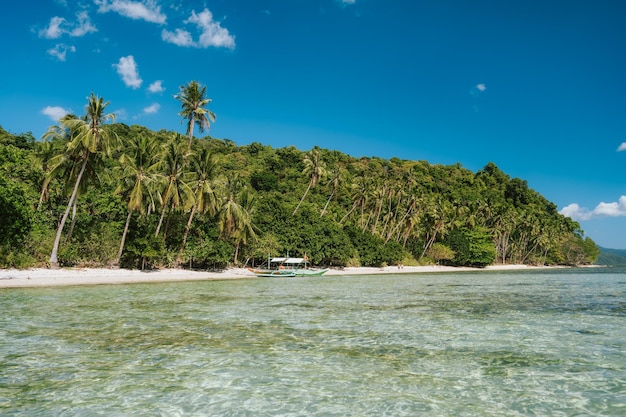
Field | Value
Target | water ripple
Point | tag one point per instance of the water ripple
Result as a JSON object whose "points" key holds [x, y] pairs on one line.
{"points": [[478, 344]]}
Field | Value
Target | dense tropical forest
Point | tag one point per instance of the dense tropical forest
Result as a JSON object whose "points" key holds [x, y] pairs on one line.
{"points": [[95, 193]]}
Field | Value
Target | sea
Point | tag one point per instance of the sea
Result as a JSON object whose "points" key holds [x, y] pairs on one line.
{"points": [[487, 343]]}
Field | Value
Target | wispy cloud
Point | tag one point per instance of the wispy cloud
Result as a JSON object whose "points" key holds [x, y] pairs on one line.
{"points": [[54, 30], [156, 87], [211, 33], [348, 1], [55, 112], [121, 114], [60, 51], [152, 109], [147, 10], [622, 147], [127, 69], [83, 26], [60, 26], [615, 209], [178, 37], [478, 89]]}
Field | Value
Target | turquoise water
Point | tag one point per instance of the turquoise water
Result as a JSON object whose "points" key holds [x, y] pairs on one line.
{"points": [[464, 344]]}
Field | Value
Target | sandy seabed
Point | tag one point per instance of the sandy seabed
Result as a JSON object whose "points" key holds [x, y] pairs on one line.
{"points": [[41, 277]]}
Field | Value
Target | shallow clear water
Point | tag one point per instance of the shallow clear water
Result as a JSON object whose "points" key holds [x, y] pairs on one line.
{"points": [[465, 344]]}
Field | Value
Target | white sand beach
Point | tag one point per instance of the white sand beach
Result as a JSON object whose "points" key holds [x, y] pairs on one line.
{"points": [[41, 277]]}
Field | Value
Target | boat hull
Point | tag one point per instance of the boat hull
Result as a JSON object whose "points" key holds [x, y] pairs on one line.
{"points": [[288, 272], [310, 272]]}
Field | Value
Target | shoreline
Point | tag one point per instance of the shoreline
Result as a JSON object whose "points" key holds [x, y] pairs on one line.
{"points": [[42, 277]]}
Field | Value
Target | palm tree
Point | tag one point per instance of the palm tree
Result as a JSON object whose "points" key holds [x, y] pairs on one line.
{"points": [[315, 168], [193, 103], [246, 231], [360, 192], [91, 137], [45, 153], [204, 168], [438, 219], [176, 190], [138, 169], [337, 177], [235, 213]]}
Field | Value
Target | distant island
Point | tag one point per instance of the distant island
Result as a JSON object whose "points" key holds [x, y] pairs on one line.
{"points": [[611, 257], [98, 194]]}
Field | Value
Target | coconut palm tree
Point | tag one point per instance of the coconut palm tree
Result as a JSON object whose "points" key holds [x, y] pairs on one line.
{"points": [[315, 169], [45, 153], [176, 191], [359, 195], [91, 137], [235, 213], [138, 171], [193, 102], [203, 166], [336, 179], [246, 231]]}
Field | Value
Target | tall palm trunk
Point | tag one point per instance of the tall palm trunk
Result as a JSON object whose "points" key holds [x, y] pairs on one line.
{"points": [[192, 121], [116, 263], [158, 229], [236, 260], [430, 241], [73, 223], [354, 206], [182, 247], [54, 262], [303, 197], [327, 202], [42, 196]]}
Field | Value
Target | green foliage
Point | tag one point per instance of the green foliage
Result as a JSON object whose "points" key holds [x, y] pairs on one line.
{"points": [[22, 141], [611, 257], [17, 213], [372, 251], [472, 247], [440, 252], [336, 209], [264, 181], [208, 254]]}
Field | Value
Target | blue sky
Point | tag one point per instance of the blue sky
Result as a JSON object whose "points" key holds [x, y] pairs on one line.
{"points": [[537, 87]]}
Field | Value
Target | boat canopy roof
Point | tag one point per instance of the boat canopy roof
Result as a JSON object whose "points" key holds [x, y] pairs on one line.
{"points": [[288, 260]]}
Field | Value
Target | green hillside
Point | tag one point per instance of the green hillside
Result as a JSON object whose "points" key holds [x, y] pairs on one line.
{"points": [[155, 199], [611, 257]]}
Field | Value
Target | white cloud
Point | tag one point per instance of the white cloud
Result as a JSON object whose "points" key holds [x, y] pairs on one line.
{"points": [[60, 51], [55, 112], [178, 37], [153, 108], [54, 30], [83, 26], [615, 209], [127, 69], [211, 33], [147, 10], [575, 212], [348, 1], [156, 87], [622, 147], [59, 26], [478, 89]]}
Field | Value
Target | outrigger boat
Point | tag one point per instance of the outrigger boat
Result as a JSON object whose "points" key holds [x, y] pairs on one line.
{"points": [[287, 267]]}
